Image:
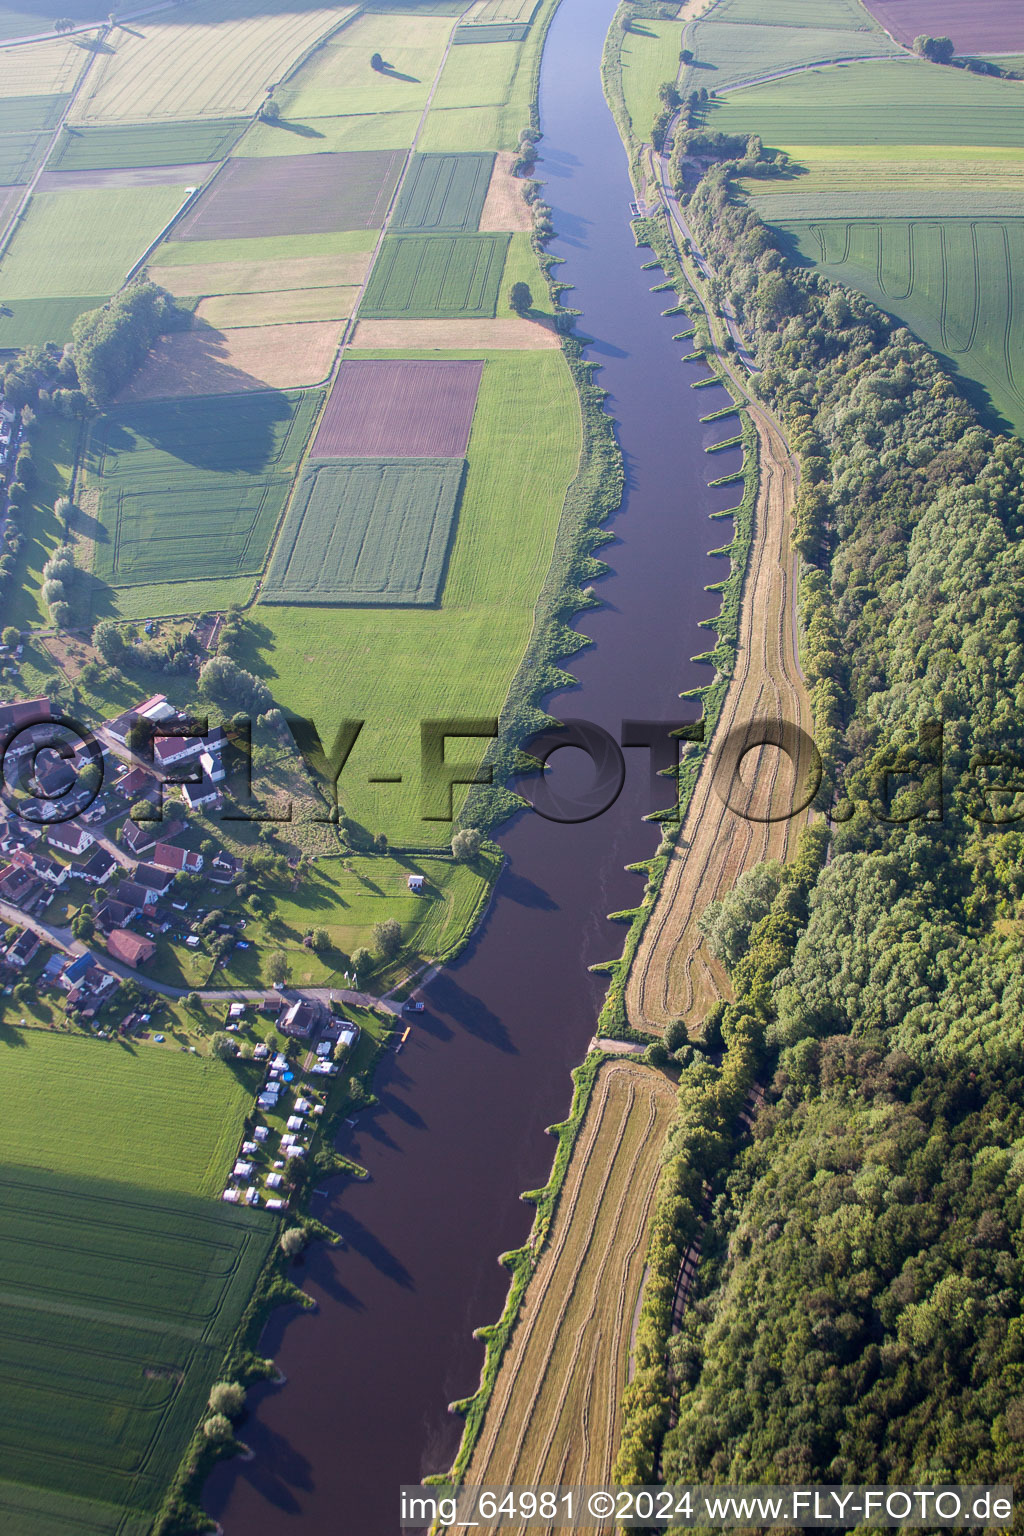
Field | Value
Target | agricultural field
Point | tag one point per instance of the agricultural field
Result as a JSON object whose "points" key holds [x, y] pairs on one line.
{"points": [[650, 56], [500, 335], [418, 276], [112, 228], [215, 59], [194, 487], [283, 307], [443, 192], [491, 12], [384, 409], [29, 17], [952, 281], [20, 154], [338, 80], [136, 1114], [308, 273], [482, 78], [271, 248], [984, 26], [367, 532], [42, 70], [834, 181], [554, 1413], [124, 146], [119, 1304], [842, 14], [896, 102], [295, 194], [323, 135], [395, 667], [505, 207], [728, 53], [205, 361]]}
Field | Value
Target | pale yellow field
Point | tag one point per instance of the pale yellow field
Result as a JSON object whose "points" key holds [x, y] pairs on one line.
{"points": [[41, 69], [338, 79], [505, 206], [216, 60], [477, 76], [229, 277], [280, 307], [512, 335], [209, 362], [554, 1413]]}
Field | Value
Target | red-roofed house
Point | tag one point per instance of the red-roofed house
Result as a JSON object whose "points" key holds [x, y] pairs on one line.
{"points": [[180, 860], [130, 948]]}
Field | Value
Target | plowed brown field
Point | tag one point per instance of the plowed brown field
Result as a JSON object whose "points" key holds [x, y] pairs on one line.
{"points": [[554, 1412], [385, 409]]}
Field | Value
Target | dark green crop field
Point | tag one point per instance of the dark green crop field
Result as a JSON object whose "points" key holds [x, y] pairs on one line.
{"points": [[444, 276], [124, 145], [444, 192], [118, 1305], [194, 488], [367, 532], [20, 154], [30, 114]]}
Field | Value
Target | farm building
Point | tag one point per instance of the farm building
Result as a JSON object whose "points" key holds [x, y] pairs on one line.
{"points": [[168, 751], [155, 708], [415, 882]]}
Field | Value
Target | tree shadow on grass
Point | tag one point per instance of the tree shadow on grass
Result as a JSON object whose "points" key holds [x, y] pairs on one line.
{"points": [[301, 130], [11, 1035], [396, 74]]}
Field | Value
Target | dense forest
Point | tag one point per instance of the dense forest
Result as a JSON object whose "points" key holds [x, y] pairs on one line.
{"points": [[857, 1313]]}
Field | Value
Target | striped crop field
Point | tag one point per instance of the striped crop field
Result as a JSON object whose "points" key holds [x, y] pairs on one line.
{"points": [[195, 486], [952, 281], [443, 192], [137, 144], [419, 276], [796, 13], [553, 1416], [367, 532], [42, 69], [725, 54], [899, 101], [877, 181], [214, 60], [119, 1305]]}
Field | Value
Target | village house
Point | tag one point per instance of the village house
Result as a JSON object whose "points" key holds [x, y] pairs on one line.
{"points": [[138, 784], [70, 838], [132, 949], [155, 708], [154, 879], [113, 914], [137, 836], [178, 860], [99, 867], [300, 1019], [169, 751], [17, 885], [196, 796], [13, 717], [49, 870], [136, 896], [24, 948]]}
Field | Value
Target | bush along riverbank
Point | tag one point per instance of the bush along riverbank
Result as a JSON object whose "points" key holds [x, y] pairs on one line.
{"points": [[881, 1011], [612, 1022]]}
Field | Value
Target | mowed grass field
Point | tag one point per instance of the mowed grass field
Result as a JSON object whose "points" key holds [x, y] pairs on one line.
{"points": [[729, 52], [484, 95], [554, 1413], [954, 282], [141, 144], [320, 135], [193, 489], [267, 248], [650, 56], [905, 101], [339, 81], [139, 1114], [443, 192], [214, 59], [100, 234], [119, 1303], [395, 668], [366, 531], [418, 276]]}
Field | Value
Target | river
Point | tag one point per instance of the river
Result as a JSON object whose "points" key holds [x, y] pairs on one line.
{"points": [[459, 1131]]}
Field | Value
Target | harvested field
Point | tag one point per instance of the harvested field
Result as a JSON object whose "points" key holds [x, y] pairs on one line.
{"points": [[112, 229], [417, 276], [443, 192], [382, 410], [368, 533], [119, 1305], [505, 206], [554, 1413], [674, 974], [194, 488], [137, 144], [230, 277], [295, 194], [456, 335], [42, 69], [281, 307], [340, 81], [984, 26], [209, 362], [134, 176], [214, 60]]}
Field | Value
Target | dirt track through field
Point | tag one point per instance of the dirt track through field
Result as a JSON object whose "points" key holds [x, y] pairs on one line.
{"points": [[553, 1416], [674, 974]]}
